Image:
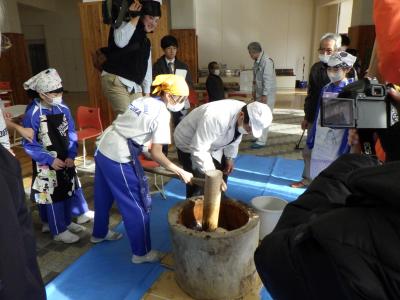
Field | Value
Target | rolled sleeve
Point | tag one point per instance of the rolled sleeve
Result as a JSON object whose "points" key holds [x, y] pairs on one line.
{"points": [[123, 34]]}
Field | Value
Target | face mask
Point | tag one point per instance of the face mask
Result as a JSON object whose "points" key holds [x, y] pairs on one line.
{"points": [[217, 72], [175, 107], [242, 130], [336, 76], [324, 58], [56, 100]]}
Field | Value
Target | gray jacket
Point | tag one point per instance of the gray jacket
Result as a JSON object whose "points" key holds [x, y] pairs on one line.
{"points": [[264, 76]]}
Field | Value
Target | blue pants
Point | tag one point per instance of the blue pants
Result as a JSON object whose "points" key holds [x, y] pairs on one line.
{"points": [[118, 181], [57, 214], [77, 205]]}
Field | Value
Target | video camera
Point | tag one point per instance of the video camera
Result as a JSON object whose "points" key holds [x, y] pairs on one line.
{"points": [[362, 104], [117, 11]]}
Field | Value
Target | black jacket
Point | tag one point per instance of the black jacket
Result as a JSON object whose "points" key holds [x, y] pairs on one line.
{"points": [[318, 78], [20, 277], [215, 88], [340, 239], [161, 67]]}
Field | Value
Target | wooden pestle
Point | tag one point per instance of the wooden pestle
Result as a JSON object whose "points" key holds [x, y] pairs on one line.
{"points": [[212, 200], [164, 172], [212, 194]]}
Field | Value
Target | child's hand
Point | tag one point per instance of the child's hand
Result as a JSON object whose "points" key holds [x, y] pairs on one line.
{"points": [[69, 162], [58, 164]]}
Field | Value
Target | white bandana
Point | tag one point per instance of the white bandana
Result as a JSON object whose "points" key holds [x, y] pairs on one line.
{"points": [[342, 59], [44, 82]]}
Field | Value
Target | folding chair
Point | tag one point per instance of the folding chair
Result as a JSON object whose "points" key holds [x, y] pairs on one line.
{"points": [[89, 124]]}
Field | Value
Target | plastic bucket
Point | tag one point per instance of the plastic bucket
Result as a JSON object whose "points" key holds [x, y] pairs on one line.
{"points": [[270, 210]]}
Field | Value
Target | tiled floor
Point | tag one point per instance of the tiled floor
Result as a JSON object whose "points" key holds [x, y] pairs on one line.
{"points": [[54, 257]]}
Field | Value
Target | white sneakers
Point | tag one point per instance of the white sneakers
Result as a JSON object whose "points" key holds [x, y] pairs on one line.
{"points": [[111, 236], [75, 228], [86, 217], [66, 237], [152, 256]]}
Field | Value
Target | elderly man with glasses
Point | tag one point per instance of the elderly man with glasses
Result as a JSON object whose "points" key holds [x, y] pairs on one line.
{"points": [[318, 78]]}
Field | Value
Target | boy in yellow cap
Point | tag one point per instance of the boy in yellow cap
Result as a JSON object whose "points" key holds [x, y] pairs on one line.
{"points": [[119, 174]]}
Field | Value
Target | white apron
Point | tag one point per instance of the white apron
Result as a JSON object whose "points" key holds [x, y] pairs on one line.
{"points": [[326, 144]]}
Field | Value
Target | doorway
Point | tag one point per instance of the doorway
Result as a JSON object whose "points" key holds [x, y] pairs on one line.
{"points": [[38, 56]]}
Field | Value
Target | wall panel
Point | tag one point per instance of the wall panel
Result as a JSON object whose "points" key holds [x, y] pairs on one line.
{"points": [[14, 67], [187, 40]]}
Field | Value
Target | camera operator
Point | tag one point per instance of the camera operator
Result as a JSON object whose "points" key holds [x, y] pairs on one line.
{"points": [[127, 72]]}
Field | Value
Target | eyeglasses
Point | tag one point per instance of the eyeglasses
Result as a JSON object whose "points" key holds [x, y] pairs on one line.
{"points": [[328, 51], [5, 43]]}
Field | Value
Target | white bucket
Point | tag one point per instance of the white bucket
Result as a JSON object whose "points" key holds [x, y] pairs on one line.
{"points": [[270, 210]]}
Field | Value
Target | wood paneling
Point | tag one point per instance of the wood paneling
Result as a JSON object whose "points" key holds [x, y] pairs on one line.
{"points": [[362, 38], [162, 29], [94, 36], [187, 40], [15, 68]]}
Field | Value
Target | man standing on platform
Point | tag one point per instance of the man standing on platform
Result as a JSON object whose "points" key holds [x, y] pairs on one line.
{"points": [[127, 71], [264, 84]]}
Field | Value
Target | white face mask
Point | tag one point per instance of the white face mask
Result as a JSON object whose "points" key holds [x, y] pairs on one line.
{"points": [[336, 76], [57, 100], [324, 58], [176, 107], [217, 72], [242, 130]]}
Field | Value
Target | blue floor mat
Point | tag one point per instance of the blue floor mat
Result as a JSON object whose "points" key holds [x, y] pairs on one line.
{"points": [[288, 169], [105, 271]]}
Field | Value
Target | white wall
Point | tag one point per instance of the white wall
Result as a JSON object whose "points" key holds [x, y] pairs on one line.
{"points": [[346, 9], [226, 27], [61, 31], [326, 18], [183, 14], [362, 12]]}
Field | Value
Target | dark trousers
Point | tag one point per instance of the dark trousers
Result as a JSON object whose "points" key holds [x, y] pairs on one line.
{"points": [[186, 160]]}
